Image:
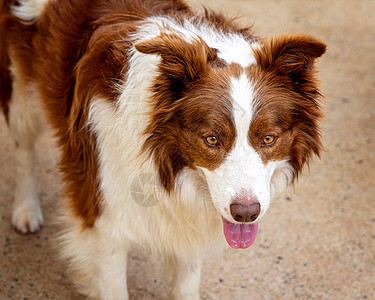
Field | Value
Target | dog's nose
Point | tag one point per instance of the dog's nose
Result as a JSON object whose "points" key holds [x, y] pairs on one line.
{"points": [[245, 209]]}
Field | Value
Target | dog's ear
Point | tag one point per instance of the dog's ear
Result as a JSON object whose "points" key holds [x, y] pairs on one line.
{"points": [[291, 58], [183, 61], [290, 55]]}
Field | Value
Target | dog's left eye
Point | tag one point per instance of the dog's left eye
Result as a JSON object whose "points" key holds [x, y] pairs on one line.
{"points": [[269, 140], [212, 140]]}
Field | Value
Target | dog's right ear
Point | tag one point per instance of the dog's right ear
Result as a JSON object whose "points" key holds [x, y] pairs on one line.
{"points": [[183, 61], [291, 55]]}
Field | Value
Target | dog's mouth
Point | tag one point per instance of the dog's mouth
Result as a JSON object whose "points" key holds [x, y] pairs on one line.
{"points": [[240, 236]]}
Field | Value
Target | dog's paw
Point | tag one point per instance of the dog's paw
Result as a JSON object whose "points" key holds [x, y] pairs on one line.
{"points": [[27, 218]]}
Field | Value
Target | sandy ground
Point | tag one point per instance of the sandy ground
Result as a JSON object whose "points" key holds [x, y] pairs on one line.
{"points": [[317, 242]]}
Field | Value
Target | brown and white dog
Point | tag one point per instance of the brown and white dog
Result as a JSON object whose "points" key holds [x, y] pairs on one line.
{"points": [[144, 91]]}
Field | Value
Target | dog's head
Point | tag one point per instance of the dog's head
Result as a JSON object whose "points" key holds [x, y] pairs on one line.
{"points": [[249, 128]]}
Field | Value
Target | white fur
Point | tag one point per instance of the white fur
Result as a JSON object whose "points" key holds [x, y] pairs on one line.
{"points": [[282, 176], [29, 10], [97, 261], [231, 47], [25, 126]]}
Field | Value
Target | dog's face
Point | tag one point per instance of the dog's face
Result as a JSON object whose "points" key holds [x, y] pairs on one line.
{"points": [[249, 129]]}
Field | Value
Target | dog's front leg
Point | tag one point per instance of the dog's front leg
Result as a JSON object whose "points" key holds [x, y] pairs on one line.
{"points": [[111, 281], [186, 280], [98, 262]]}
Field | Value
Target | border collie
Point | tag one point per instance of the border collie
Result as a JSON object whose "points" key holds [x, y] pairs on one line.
{"points": [[175, 130]]}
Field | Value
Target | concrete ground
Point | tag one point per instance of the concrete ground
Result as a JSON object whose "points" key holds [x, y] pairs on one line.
{"points": [[315, 243]]}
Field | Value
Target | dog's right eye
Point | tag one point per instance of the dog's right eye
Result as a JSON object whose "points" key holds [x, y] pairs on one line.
{"points": [[269, 140], [212, 140]]}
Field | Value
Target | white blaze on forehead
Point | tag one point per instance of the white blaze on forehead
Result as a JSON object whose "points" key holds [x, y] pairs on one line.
{"points": [[242, 97]]}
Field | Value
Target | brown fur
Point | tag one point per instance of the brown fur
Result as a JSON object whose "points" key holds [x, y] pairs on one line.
{"points": [[5, 77], [288, 99]]}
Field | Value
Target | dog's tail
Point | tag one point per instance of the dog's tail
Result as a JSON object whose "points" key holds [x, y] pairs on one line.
{"points": [[5, 79]]}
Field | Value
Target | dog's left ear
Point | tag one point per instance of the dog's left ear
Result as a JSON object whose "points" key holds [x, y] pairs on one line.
{"points": [[183, 61], [290, 55]]}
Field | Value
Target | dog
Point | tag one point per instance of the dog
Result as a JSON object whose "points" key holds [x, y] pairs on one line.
{"points": [[175, 130]]}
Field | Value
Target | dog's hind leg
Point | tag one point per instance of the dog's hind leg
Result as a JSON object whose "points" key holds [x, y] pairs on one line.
{"points": [[24, 123]]}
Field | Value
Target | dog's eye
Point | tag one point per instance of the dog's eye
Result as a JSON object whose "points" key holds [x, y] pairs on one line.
{"points": [[212, 140], [269, 140]]}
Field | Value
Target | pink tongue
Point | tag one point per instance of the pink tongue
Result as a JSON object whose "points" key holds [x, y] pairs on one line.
{"points": [[240, 235]]}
